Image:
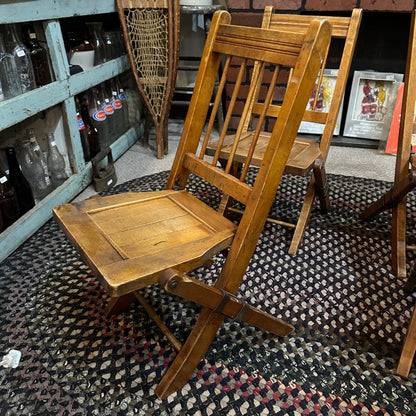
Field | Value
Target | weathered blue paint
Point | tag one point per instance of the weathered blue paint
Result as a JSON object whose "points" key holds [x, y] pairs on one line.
{"points": [[62, 92]]}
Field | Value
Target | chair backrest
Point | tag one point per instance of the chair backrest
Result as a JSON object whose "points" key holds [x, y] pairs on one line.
{"points": [[300, 53], [343, 28]]}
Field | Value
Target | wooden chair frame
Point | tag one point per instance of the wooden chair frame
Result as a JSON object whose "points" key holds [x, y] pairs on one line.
{"points": [[396, 198], [307, 154], [133, 240]]}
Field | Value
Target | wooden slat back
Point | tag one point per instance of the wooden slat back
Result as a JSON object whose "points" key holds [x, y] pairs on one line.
{"points": [[300, 23], [342, 27], [242, 45], [280, 48]]}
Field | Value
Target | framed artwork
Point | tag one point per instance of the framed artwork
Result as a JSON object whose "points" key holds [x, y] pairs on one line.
{"points": [[371, 104], [323, 103]]}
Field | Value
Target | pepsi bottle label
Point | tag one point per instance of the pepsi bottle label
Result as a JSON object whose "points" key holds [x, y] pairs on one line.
{"points": [[117, 105], [99, 115], [81, 125], [108, 109]]}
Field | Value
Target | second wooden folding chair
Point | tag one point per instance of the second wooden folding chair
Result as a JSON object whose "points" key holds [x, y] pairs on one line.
{"points": [[307, 155]]}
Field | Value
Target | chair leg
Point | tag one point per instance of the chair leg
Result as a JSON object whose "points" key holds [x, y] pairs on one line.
{"points": [[398, 239], [410, 285], [321, 185], [409, 348], [156, 319], [206, 327], [303, 217], [392, 197], [192, 352], [118, 305]]}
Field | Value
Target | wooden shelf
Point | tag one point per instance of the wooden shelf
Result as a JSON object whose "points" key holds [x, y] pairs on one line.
{"points": [[60, 92]]}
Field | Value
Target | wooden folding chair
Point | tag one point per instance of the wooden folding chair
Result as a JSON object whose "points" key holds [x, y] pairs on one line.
{"points": [[396, 198], [133, 240], [307, 154]]}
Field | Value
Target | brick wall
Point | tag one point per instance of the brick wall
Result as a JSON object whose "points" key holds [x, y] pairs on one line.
{"points": [[322, 5], [376, 14]]}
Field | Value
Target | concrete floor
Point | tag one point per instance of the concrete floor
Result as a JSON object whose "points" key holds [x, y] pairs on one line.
{"points": [[140, 160]]}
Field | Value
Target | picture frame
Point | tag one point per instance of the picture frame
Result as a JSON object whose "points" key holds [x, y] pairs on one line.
{"points": [[371, 104], [326, 92]]}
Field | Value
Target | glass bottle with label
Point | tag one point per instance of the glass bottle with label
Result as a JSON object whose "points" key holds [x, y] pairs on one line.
{"points": [[25, 199], [98, 117], [9, 77], [22, 58], [118, 108], [56, 162], [39, 56], [8, 201], [123, 98], [109, 112]]}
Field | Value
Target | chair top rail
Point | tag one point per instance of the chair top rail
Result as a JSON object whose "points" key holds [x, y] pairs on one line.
{"points": [[275, 47], [300, 23]]}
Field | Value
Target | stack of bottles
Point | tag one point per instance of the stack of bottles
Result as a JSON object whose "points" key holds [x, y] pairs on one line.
{"points": [[24, 64], [30, 177], [102, 116]]}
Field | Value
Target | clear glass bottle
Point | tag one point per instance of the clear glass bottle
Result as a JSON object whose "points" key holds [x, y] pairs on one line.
{"points": [[9, 77], [97, 42], [22, 58], [34, 166], [56, 162], [25, 199], [8, 201], [111, 45], [39, 154], [39, 56]]}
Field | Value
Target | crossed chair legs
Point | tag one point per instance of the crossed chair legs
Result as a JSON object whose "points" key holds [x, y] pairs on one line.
{"points": [[217, 303], [317, 187]]}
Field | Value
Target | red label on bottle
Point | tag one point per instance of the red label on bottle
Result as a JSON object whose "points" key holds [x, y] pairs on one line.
{"points": [[117, 104], [99, 115], [109, 109], [81, 125]]}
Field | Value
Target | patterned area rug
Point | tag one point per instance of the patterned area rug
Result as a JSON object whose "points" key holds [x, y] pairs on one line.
{"points": [[349, 311]]}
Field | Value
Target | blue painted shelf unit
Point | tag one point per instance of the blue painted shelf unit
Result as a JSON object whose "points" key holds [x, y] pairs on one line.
{"points": [[61, 91]]}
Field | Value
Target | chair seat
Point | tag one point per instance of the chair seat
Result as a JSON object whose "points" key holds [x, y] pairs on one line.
{"points": [[129, 239], [301, 159]]}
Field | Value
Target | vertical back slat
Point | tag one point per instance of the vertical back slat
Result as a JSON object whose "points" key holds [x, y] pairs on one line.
{"points": [[262, 118], [214, 110], [234, 96]]}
